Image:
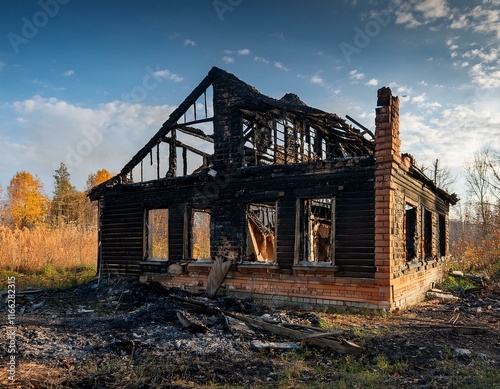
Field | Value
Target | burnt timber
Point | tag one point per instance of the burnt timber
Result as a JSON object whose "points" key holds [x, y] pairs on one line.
{"points": [[307, 208]]}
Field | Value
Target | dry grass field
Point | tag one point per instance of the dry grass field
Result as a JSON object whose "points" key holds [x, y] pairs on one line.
{"points": [[47, 257]]}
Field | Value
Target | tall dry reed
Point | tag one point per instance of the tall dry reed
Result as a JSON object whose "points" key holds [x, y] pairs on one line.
{"points": [[29, 250]]}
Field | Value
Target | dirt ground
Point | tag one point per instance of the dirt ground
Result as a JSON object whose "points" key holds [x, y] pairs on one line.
{"points": [[123, 334]]}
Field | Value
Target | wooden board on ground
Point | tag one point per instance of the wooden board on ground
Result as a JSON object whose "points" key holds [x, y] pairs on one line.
{"points": [[219, 270]]}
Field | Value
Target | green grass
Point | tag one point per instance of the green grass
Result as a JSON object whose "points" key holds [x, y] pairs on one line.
{"points": [[456, 284], [476, 375], [49, 277]]}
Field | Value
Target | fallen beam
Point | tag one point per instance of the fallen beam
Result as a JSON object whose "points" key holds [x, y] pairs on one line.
{"points": [[338, 344]]}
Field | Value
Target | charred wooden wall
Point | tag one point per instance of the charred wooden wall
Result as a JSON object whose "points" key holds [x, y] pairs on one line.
{"points": [[351, 182]]}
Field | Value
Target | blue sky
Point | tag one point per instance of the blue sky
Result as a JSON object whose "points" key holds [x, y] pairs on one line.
{"points": [[89, 82]]}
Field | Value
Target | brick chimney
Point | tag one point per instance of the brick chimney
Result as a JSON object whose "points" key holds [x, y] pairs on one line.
{"points": [[387, 160], [387, 142]]}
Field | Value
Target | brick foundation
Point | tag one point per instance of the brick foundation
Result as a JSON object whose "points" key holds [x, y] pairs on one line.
{"points": [[301, 286]]}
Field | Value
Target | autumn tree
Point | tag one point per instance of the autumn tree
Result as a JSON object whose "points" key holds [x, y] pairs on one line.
{"points": [[66, 203], [26, 204], [89, 219], [476, 245], [98, 178]]}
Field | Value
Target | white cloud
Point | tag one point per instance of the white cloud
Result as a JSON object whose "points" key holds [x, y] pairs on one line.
{"points": [[280, 66], [491, 56], [228, 59], [459, 22], [261, 59], [416, 13], [419, 99], [372, 82], [355, 75], [85, 139], [400, 89], [484, 19], [316, 79], [483, 63], [432, 9], [407, 19], [2, 65], [189, 42], [237, 52], [452, 135], [485, 76], [168, 75], [68, 73]]}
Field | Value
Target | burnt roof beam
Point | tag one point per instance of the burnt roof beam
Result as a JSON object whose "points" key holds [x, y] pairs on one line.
{"points": [[167, 126], [178, 143], [196, 133]]}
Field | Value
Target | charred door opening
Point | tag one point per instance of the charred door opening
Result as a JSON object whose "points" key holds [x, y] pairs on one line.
{"points": [[199, 234], [411, 231], [157, 233], [318, 232], [261, 232]]}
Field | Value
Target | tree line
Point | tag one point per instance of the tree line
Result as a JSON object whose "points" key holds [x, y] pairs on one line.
{"points": [[474, 225], [475, 221], [26, 205]]}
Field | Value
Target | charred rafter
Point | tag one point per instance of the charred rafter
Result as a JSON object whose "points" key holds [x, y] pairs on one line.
{"points": [[279, 131]]}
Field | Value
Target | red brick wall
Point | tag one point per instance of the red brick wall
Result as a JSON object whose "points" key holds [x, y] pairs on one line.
{"points": [[407, 284], [303, 286]]}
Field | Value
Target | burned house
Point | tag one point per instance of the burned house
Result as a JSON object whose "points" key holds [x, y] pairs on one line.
{"points": [[275, 200]]}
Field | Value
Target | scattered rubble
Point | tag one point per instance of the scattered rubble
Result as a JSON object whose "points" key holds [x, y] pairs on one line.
{"points": [[62, 335]]}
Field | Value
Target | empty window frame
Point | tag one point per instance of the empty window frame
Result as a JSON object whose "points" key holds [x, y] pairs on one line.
{"points": [[411, 231], [157, 233], [428, 241], [261, 232], [199, 234], [442, 235], [282, 141], [318, 230]]}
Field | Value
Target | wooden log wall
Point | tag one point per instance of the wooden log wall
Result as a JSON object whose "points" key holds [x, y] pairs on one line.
{"points": [[125, 209]]}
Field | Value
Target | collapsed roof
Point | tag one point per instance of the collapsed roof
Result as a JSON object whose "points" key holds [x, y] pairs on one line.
{"points": [[272, 131]]}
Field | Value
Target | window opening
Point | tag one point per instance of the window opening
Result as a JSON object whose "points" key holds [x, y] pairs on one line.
{"points": [[158, 233], [442, 236], [200, 234], [411, 231], [320, 230], [261, 232], [428, 234]]}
